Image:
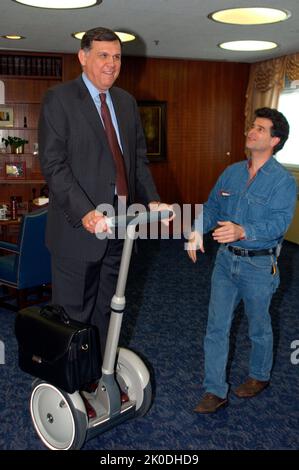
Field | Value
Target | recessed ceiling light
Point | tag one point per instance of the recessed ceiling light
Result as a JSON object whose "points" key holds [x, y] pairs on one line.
{"points": [[250, 16], [13, 36], [124, 37], [248, 45], [60, 4]]}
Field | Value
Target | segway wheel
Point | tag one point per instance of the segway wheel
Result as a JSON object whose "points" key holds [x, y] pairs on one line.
{"points": [[59, 418], [134, 379]]}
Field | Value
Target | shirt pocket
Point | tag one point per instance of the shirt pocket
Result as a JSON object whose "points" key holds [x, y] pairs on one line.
{"points": [[258, 207], [228, 203]]}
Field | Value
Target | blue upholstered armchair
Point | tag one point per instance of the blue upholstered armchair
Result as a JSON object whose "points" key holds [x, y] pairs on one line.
{"points": [[25, 266]]}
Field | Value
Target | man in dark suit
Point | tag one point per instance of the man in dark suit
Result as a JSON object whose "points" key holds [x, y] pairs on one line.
{"points": [[81, 171]]}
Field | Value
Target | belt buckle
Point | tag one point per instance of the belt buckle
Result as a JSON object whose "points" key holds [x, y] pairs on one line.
{"points": [[241, 251]]}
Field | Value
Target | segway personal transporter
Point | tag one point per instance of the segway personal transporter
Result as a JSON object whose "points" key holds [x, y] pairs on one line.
{"points": [[60, 419]]}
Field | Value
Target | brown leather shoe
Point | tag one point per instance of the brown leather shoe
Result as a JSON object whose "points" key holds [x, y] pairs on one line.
{"points": [[210, 403], [251, 388]]}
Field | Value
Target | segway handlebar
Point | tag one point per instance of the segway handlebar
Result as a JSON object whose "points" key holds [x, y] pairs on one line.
{"points": [[138, 219]]}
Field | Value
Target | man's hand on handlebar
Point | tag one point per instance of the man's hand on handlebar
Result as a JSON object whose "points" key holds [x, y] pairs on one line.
{"points": [[95, 221]]}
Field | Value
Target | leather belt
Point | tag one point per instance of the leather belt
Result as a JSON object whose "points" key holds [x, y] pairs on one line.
{"points": [[244, 252]]}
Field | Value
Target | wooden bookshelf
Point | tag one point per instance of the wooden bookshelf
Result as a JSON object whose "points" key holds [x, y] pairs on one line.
{"points": [[26, 77], [30, 65]]}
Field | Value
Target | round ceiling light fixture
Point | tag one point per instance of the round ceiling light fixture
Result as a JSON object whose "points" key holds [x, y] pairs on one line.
{"points": [[59, 4], [250, 15], [248, 46], [124, 37], [14, 37]]}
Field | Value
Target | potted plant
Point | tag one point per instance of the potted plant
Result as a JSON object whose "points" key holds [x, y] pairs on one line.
{"points": [[16, 144]]}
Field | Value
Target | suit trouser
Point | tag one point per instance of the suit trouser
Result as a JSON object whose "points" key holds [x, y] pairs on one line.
{"points": [[85, 288]]}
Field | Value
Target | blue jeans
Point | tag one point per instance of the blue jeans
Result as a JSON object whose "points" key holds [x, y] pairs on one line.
{"points": [[235, 278]]}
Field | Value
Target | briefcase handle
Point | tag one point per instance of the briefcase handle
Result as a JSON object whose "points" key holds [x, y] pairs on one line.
{"points": [[54, 310]]}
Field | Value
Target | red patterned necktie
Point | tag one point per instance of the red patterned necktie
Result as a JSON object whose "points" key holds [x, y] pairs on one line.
{"points": [[121, 178]]}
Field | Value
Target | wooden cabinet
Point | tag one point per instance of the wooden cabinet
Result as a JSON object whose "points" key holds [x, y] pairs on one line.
{"points": [[26, 78]]}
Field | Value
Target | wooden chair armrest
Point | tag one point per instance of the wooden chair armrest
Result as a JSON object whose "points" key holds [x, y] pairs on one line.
{"points": [[11, 247]]}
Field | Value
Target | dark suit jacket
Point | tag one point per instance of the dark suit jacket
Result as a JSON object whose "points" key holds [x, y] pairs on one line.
{"points": [[79, 168]]}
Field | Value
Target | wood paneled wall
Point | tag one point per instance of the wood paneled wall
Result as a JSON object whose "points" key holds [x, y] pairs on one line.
{"points": [[205, 119]]}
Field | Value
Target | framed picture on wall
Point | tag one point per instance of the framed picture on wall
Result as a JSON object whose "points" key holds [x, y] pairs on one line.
{"points": [[153, 118], [6, 116], [15, 170]]}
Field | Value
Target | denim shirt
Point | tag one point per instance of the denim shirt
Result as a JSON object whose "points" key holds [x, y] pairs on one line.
{"points": [[263, 206]]}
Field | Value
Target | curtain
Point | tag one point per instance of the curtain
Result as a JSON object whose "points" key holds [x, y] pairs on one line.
{"points": [[266, 80]]}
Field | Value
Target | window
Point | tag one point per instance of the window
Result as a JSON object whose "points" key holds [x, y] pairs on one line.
{"points": [[289, 105]]}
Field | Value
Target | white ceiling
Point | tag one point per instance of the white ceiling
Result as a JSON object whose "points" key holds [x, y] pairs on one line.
{"points": [[164, 28]]}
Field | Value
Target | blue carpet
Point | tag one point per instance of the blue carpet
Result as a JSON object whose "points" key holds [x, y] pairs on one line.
{"points": [[167, 299]]}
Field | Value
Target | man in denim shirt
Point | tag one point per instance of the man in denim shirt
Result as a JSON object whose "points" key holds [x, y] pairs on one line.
{"points": [[249, 210]]}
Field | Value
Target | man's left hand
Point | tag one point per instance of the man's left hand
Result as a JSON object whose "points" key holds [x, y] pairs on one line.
{"points": [[228, 232], [162, 206]]}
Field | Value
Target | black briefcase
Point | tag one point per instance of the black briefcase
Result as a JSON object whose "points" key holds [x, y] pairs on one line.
{"points": [[55, 348]]}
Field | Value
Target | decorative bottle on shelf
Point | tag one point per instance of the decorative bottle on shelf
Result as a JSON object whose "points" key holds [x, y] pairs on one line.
{"points": [[13, 208], [25, 121]]}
